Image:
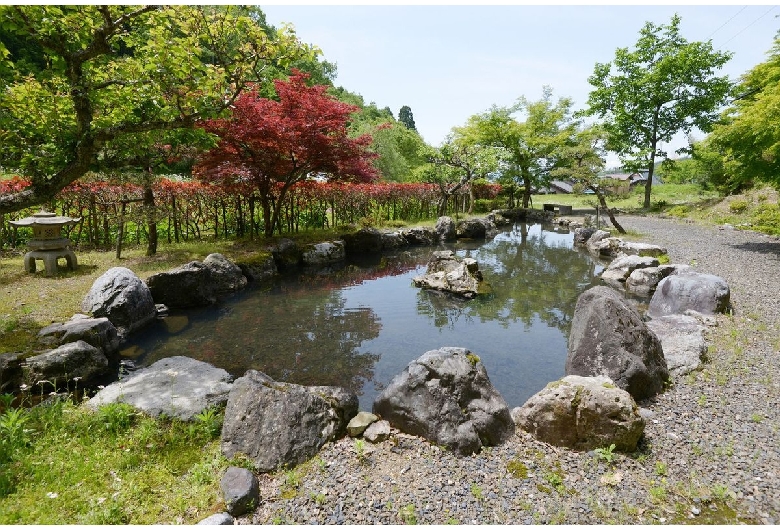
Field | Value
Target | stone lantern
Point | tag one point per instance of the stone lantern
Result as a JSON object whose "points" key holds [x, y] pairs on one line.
{"points": [[47, 243]]}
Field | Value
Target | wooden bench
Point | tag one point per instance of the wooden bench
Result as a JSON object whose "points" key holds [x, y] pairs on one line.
{"points": [[562, 209]]}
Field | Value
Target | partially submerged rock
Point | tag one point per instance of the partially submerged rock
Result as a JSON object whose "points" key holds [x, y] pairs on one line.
{"points": [[448, 273], [70, 363], [609, 338], [197, 283], [445, 228], [446, 397], [325, 253], [582, 413], [178, 387], [278, 424]]}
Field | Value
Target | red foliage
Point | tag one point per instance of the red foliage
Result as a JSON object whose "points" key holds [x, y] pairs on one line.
{"points": [[304, 133]]}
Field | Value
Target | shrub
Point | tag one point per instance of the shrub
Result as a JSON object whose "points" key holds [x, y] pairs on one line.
{"points": [[680, 211], [738, 206], [766, 218]]}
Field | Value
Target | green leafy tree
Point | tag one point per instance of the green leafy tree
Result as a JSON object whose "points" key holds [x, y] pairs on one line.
{"points": [[748, 135], [581, 161], [406, 117], [115, 72], [647, 95], [456, 164], [530, 148]]}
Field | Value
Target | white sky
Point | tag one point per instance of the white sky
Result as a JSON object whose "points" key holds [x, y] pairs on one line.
{"points": [[448, 62]]}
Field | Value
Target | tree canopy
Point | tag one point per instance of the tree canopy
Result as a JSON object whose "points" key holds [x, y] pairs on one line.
{"points": [[268, 145], [647, 95], [406, 117], [114, 73], [748, 135], [531, 147]]}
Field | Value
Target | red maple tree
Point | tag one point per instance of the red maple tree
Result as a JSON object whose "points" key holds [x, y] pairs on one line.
{"points": [[271, 145]]}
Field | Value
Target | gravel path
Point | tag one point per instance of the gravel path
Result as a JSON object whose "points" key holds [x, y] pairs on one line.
{"points": [[710, 452]]}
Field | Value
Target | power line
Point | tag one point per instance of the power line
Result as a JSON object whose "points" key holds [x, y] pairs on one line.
{"points": [[729, 20], [746, 27]]}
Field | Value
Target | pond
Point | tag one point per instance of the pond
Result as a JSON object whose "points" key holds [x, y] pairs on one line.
{"points": [[360, 325]]}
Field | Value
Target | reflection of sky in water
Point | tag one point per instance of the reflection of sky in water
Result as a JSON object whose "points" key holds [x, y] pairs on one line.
{"points": [[363, 326]]}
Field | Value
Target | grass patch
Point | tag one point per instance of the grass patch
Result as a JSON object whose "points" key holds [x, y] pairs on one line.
{"points": [[71, 465]]}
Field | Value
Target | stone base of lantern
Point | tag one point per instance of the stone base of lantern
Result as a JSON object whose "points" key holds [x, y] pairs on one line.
{"points": [[50, 258]]}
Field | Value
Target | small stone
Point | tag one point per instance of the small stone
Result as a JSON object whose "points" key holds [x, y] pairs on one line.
{"points": [[218, 519], [377, 432], [360, 423], [695, 510], [240, 489]]}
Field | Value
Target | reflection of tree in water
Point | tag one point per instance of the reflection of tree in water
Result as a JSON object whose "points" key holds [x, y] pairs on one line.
{"points": [[298, 335], [530, 274]]}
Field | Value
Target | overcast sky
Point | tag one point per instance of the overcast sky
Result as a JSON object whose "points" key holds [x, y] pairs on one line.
{"points": [[449, 62]]}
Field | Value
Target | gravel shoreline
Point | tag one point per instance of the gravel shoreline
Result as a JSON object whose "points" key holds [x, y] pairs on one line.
{"points": [[710, 453]]}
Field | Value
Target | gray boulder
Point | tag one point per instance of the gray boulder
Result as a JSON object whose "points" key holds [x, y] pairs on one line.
{"points": [[286, 254], [683, 342], [690, 290], [240, 490], [446, 397], [582, 413], [324, 253], [259, 269], [448, 273], [393, 240], [644, 281], [609, 338], [121, 297], [497, 219], [622, 266], [197, 283], [360, 423], [277, 424], [377, 432], [72, 362], [218, 519], [10, 372], [445, 228], [364, 241], [421, 236], [178, 387], [225, 276], [597, 242], [633, 248], [475, 228], [99, 332], [582, 234]]}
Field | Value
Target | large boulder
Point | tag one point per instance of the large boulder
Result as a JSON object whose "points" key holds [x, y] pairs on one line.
{"points": [[279, 424], [643, 281], [582, 413], [446, 272], [258, 269], [225, 276], [393, 240], [121, 297], [582, 234], [421, 236], [445, 228], [72, 363], [319, 254], [197, 283], [597, 243], [99, 332], [475, 228], [178, 387], [622, 266], [609, 338], [633, 248], [446, 397], [683, 342], [364, 241], [690, 290], [10, 372], [287, 254]]}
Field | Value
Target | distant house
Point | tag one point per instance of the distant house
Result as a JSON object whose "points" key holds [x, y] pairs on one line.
{"points": [[560, 186]]}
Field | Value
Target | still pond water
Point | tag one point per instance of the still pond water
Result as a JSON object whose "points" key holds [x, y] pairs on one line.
{"points": [[359, 326]]}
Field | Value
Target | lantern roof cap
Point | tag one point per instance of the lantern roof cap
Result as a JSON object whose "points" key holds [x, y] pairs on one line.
{"points": [[46, 218]]}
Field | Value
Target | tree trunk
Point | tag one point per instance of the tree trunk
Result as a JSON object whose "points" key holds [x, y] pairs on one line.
{"points": [[610, 213], [151, 247], [121, 230], [649, 183]]}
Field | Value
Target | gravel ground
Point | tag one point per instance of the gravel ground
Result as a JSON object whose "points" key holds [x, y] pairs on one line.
{"points": [[709, 455]]}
